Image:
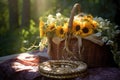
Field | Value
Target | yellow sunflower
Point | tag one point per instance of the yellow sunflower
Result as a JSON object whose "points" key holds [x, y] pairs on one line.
{"points": [[41, 25], [65, 27], [86, 30], [60, 32], [89, 20], [95, 24], [87, 24], [51, 27], [89, 17], [76, 27]]}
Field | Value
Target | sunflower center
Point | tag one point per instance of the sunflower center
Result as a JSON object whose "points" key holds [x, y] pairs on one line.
{"points": [[85, 30], [77, 27], [61, 31]]}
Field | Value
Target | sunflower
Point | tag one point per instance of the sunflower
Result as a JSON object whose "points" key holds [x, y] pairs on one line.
{"points": [[87, 24], [60, 32], [86, 29], [41, 26], [89, 20], [51, 27], [95, 24], [65, 27], [89, 17], [76, 28]]}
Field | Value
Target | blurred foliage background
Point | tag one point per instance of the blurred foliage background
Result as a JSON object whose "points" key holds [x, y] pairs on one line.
{"points": [[19, 19]]}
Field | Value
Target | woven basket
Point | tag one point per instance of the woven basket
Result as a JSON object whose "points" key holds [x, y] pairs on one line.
{"points": [[92, 54]]}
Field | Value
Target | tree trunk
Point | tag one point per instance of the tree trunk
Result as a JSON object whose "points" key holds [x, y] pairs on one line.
{"points": [[37, 9], [25, 13], [13, 13]]}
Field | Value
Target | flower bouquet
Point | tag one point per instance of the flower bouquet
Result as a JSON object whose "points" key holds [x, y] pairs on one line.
{"points": [[80, 37]]}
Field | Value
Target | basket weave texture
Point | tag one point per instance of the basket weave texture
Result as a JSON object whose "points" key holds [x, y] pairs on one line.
{"points": [[93, 54]]}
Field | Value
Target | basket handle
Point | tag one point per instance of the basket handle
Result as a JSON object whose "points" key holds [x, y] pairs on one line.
{"points": [[76, 6]]}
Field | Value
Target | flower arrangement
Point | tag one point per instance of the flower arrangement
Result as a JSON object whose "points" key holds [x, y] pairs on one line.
{"points": [[53, 26], [82, 26], [57, 26]]}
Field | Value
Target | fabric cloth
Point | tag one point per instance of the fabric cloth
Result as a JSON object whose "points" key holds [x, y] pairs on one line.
{"points": [[25, 67]]}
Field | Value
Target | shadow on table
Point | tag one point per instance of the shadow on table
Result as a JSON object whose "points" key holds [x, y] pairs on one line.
{"points": [[22, 67]]}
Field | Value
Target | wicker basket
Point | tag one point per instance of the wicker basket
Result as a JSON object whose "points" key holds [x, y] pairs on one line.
{"points": [[92, 54], [63, 69]]}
